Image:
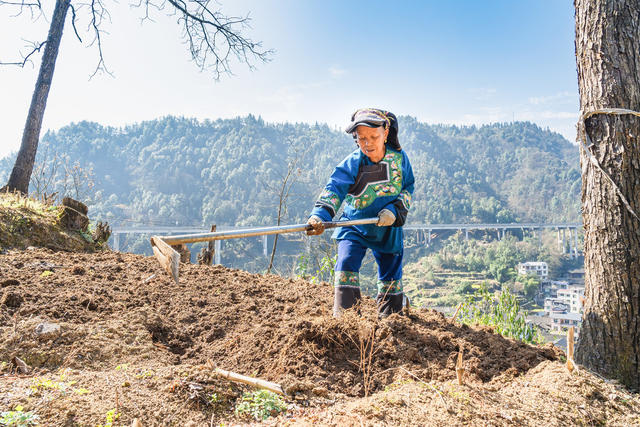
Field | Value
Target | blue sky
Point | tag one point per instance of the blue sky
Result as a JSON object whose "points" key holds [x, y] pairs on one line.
{"points": [[456, 62]]}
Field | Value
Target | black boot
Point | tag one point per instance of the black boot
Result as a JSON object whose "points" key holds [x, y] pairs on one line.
{"points": [[344, 298], [388, 304]]}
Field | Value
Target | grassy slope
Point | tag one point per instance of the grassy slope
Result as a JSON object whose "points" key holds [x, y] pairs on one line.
{"points": [[26, 222]]}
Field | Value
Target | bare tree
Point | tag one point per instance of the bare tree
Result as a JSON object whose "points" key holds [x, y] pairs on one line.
{"points": [[608, 61], [214, 40], [283, 191]]}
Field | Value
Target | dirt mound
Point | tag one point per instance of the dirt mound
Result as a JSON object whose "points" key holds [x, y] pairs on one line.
{"points": [[111, 337], [26, 222], [547, 395], [114, 308]]}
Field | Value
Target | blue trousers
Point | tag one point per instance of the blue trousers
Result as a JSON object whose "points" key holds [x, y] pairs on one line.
{"points": [[350, 255]]}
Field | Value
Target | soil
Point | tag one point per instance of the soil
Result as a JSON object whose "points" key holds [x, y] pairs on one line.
{"points": [[133, 341]]}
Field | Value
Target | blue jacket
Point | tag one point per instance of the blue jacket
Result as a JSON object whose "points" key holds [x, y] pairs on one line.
{"points": [[367, 188]]}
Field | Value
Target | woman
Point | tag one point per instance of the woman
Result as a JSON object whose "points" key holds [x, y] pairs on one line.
{"points": [[374, 180]]}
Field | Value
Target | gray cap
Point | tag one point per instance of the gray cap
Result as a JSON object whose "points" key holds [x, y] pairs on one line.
{"points": [[367, 117]]}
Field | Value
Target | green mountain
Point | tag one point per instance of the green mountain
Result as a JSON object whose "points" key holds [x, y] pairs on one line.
{"points": [[181, 171]]}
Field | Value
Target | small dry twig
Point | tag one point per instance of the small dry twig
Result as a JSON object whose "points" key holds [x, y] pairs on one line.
{"points": [[571, 365], [459, 368], [453, 319]]}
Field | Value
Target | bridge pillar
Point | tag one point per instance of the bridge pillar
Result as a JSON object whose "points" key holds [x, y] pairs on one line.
{"points": [[539, 237], [116, 242], [218, 245], [564, 240], [466, 234], [429, 238], [265, 250], [570, 242], [559, 240], [575, 242]]}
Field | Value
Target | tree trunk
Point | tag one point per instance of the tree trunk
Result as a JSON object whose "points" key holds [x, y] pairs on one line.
{"points": [[21, 173], [608, 61]]}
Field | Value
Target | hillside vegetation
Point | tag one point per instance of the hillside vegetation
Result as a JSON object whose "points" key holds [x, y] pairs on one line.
{"points": [[177, 171], [183, 171]]}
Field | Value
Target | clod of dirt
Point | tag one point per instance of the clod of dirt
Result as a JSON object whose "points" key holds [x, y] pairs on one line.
{"points": [[77, 270], [89, 304], [9, 282], [11, 299], [46, 330]]}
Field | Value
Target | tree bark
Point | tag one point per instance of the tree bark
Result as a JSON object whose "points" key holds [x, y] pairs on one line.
{"points": [[608, 62], [21, 173]]}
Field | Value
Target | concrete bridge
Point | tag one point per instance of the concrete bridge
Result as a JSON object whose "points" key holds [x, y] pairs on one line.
{"points": [[566, 244], [567, 233]]}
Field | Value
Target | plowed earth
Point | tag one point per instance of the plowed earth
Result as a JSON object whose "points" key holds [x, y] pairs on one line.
{"points": [[137, 342]]}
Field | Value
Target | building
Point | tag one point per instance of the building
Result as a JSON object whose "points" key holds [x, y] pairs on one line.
{"points": [[549, 288], [555, 305], [573, 296], [561, 322], [576, 277], [538, 268]]}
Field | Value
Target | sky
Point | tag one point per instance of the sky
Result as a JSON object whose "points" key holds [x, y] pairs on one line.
{"points": [[452, 62]]}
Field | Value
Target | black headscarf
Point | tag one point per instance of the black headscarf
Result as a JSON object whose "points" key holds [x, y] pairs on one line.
{"points": [[384, 118]]}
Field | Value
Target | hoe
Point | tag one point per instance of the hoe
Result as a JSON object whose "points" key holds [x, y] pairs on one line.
{"points": [[170, 259]]}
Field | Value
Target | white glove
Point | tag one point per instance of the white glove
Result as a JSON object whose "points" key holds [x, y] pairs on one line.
{"points": [[385, 218], [315, 222]]}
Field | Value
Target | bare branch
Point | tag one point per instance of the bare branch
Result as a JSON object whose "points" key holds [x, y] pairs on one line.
{"points": [[73, 22], [98, 14], [213, 38], [22, 4], [35, 47], [34, 7]]}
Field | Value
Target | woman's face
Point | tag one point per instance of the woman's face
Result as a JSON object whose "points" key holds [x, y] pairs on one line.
{"points": [[371, 141]]}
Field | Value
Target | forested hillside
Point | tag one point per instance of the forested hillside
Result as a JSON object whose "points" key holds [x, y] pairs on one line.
{"points": [[181, 171]]}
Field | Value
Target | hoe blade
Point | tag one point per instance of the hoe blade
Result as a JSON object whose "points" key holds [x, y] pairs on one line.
{"points": [[168, 258]]}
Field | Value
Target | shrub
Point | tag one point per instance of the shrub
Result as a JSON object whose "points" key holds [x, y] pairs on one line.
{"points": [[502, 312], [464, 288], [18, 418], [260, 404]]}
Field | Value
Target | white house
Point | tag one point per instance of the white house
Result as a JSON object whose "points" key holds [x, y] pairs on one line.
{"points": [[539, 268], [573, 296], [555, 305], [549, 288], [561, 322]]}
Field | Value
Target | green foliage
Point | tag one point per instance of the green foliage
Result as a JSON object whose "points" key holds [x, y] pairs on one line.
{"points": [[180, 171], [41, 385], [324, 271], [18, 418], [464, 287], [260, 404], [110, 418], [303, 268], [503, 313], [530, 284], [497, 258], [188, 171]]}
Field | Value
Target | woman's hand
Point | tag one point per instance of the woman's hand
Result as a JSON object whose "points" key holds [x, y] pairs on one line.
{"points": [[317, 226], [385, 218]]}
